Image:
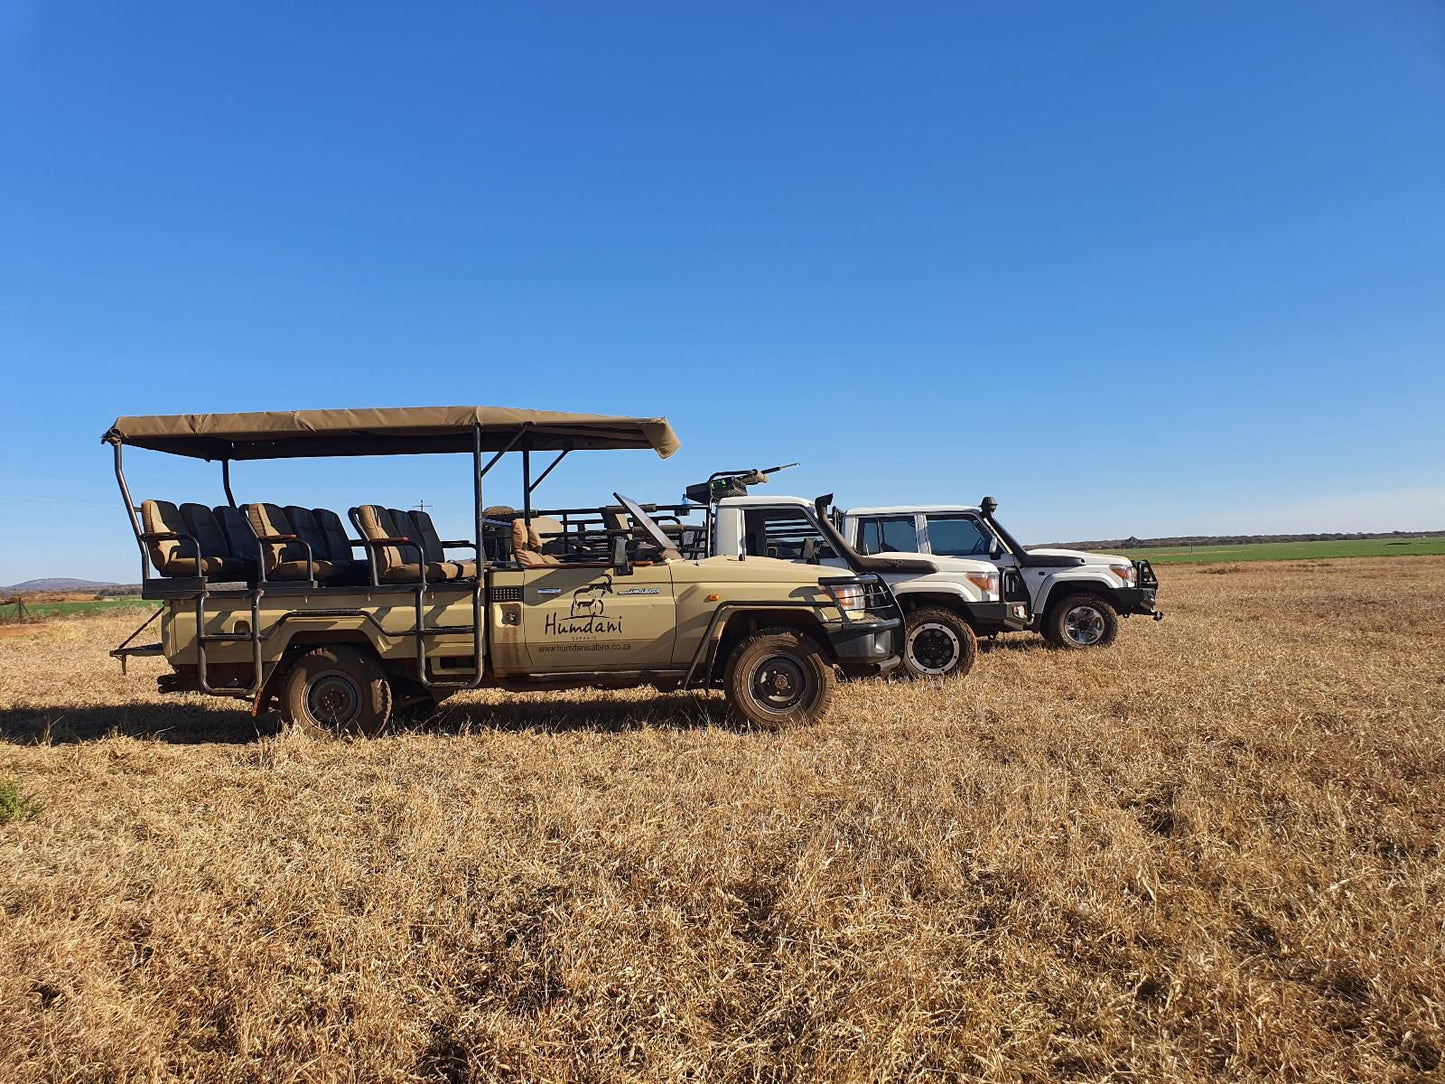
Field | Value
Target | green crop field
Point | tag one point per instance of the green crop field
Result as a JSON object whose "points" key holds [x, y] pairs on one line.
{"points": [[1295, 551], [83, 607]]}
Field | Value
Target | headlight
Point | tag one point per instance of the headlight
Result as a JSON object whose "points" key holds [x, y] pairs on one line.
{"points": [[850, 596], [1127, 573], [987, 582]]}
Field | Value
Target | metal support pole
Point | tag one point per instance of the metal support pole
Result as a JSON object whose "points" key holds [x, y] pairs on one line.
{"points": [[481, 584], [527, 486], [477, 494], [130, 510], [226, 481], [550, 468]]}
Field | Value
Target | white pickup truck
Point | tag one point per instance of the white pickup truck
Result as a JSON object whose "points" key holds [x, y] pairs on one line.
{"points": [[1076, 598], [948, 601]]}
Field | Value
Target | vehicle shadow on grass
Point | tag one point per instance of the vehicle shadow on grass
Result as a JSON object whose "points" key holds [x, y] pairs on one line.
{"points": [[661, 712], [180, 724], [190, 724], [1022, 643]]}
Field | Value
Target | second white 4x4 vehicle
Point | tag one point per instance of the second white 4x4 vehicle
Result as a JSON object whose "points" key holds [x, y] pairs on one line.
{"points": [[1076, 597]]}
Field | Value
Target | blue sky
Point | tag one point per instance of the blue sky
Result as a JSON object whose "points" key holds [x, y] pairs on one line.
{"points": [[1133, 268]]}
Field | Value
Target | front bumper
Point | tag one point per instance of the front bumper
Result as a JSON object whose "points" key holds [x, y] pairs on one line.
{"points": [[867, 647], [1140, 599]]}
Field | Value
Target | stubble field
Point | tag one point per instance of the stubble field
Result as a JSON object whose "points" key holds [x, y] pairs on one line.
{"points": [[1215, 851]]}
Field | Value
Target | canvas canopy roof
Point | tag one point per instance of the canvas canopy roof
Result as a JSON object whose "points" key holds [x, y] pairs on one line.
{"points": [[386, 431]]}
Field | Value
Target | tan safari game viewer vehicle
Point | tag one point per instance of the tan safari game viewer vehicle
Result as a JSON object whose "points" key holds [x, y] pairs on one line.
{"points": [[287, 607]]}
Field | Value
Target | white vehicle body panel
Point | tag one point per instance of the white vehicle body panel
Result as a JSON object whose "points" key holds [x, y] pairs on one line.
{"points": [[951, 579], [1042, 583]]}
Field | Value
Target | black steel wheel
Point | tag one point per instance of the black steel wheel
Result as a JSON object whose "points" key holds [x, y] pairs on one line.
{"points": [[338, 692], [779, 677], [938, 643]]}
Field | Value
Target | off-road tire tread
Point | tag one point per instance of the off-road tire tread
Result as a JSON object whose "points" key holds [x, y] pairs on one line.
{"points": [[961, 628], [767, 642], [364, 668]]}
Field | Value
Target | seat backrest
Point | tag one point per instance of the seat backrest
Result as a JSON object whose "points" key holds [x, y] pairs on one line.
{"points": [[237, 529], [338, 545], [306, 526], [162, 517], [269, 519], [201, 524], [527, 547], [426, 531], [375, 522]]}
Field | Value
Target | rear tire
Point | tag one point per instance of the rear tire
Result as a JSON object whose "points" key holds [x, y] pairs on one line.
{"points": [[337, 692], [1081, 622], [778, 678], [938, 643]]}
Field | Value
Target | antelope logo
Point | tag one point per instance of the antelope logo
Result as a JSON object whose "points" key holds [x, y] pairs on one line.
{"points": [[587, 616], [587, 601]]}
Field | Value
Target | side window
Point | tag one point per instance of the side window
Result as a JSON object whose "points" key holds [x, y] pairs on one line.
{"points": [[889, 534], [785, 533], [958, 536]]}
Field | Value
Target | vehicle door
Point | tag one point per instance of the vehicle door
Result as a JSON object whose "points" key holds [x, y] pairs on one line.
{"points": [[596, 618], [965, 534]]}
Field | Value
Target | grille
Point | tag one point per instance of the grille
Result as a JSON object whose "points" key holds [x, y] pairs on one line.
{"points": [[506, 594]]}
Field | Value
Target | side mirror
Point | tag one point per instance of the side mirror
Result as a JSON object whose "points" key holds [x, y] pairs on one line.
{"points": [[620, 563]]}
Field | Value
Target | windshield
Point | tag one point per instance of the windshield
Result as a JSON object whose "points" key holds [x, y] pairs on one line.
{"points": [[649, 527]]}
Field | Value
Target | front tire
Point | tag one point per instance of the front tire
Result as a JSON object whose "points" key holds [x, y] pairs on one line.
{"points": [[779, 677], [337, 692], [938, 643], [1081, 622]]}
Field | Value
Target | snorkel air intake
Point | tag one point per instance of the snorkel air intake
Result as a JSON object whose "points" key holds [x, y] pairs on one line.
{"points": [[860, 562]]}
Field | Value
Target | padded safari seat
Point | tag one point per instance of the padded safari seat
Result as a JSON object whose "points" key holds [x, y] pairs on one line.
{"points": [[283, 551], [239, 536], [205, 526], [400, 549], [434, 547], [320, 528], [177, 548], [527, 547]]}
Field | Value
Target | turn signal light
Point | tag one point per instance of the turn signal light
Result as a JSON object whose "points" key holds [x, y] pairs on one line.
{"points": [[987, 582]]}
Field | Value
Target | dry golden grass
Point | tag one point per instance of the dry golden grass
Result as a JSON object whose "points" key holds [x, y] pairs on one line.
{"points": [[1212, 852]]}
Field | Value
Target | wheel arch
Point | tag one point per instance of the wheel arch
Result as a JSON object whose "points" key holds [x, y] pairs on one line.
{"points": [[744, 623], [302, 640], [943, 600], [1062, 589]]}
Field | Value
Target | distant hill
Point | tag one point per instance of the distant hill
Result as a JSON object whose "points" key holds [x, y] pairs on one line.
{"points": [[1233, 540], [56, 583]]}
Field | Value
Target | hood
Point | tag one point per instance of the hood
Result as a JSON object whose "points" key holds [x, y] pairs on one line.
{"points": [[1087, 558], [959, 565]]}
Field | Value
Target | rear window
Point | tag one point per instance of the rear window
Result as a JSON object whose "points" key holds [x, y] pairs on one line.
{"points": [[784, 533]]}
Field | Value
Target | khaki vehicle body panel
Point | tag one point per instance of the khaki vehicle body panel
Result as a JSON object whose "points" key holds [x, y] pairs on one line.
{"points": [[568, 619], [731, 580], [385, 619], [593, 619]]}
